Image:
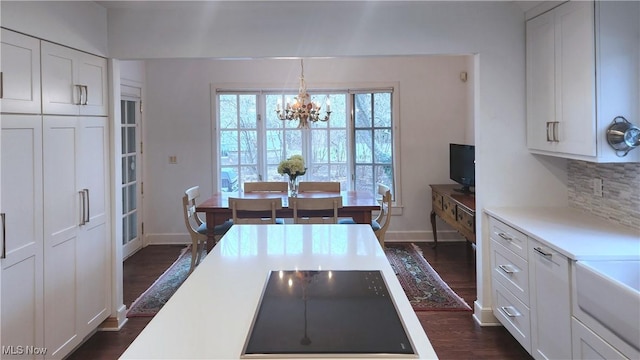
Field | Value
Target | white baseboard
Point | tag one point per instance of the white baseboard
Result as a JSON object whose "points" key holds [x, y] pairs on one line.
{"points": [[115, 324], [167, 239], [484, 316]]}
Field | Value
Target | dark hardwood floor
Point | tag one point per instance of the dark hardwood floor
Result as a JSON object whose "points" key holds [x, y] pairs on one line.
{"points": [[453, 334]]}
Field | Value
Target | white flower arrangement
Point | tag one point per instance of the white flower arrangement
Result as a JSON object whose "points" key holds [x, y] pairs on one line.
{"points": [[293, 166]]}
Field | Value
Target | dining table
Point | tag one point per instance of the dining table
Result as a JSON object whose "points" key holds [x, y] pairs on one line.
{"points": [[217, 311], [357, 205]]}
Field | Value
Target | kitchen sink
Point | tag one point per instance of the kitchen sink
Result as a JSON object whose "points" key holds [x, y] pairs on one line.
{"points": [[609, 291]]}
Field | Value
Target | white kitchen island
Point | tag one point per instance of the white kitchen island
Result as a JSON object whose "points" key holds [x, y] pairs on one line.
{"points": [[211, 314]]}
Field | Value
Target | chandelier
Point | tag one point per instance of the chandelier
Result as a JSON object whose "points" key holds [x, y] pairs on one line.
{"points": [[302, 109]]}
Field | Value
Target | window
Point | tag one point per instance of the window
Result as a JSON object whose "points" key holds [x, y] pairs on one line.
{"points": [[355, 147]]}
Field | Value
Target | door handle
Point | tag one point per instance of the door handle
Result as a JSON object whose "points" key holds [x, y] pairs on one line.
{"points": [[88, 207], [86, 94], [510, 311], [505, 236], [3, 255], [506, 269], [540, 251], [82, 205]]}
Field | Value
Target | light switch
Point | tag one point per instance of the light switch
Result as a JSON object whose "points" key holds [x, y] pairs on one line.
{"points": [[173, 159]]}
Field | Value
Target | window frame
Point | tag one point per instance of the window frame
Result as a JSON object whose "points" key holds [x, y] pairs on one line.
{"points": [[261, 91]]}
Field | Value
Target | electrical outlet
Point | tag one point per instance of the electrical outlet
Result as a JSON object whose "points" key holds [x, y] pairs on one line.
{"points": [[597, 187], [173, 159]]}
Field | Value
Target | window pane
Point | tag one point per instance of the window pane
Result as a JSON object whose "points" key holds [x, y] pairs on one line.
{"points": [[131, 168], [364, 152], [229, 147], [249, 143], [319, 147], [228, 179], [248, 173], [125, 196], [123, 111], [362, 108], [338, 111], [271, 102], [383, 146], [132, 197], [248, 118], [364, 176], [228, 112], [382, 109], [384, 175], [123, 134], [131, 139], [293, 143], [133, 226], [338, 149], [131, 112], [124, 170]]}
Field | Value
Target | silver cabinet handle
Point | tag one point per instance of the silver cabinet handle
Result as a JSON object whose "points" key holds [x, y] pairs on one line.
{"points": [[78, 90], [1, 85], [510, 311], [507, 269], [505, 236], [540, 251], [549, 138], [86, 94], [555, 131], [3, 255], [82, 205], [88, 207]]}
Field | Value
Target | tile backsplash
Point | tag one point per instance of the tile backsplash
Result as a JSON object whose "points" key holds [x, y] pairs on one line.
{"points": [[620, 200]]}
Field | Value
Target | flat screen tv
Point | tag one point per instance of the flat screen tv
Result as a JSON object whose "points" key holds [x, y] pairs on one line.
{"points": [[462, 167]]}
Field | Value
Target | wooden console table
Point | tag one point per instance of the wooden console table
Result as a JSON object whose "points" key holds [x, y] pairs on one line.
{"points": [[455, 208]]}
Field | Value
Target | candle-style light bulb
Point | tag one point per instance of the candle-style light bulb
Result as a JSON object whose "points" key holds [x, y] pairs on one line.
{"points": [[328, 105]]}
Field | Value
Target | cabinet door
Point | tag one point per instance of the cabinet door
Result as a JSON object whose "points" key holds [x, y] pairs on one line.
{"points": [[575, 78], [60, 90], [20, 69], [550, 303], [588, 345], [92, 74], [93, 248], [62, 216], [541, 90], [21, 315]]}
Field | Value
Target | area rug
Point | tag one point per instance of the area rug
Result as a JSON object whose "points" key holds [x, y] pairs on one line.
{"points": [[424, 287], [154, 298]]}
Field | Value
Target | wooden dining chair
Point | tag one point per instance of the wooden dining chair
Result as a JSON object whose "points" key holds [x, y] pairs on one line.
{"points": [[266, 186], [254, 211], [381, 223], [196, 227], [319, 186], [321, 210]]}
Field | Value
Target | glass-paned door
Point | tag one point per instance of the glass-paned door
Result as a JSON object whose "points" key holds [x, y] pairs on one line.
{"points": [[131, 182]]}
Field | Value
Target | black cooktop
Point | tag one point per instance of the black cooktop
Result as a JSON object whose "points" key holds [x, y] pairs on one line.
{"points": [[349, 313]]}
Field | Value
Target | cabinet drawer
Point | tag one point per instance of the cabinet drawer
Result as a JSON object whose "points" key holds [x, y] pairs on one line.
{"points": [[508, 237], [436, 201], [510, 270], [449, 208], [513, 314], [588, 345], [466, 219]]}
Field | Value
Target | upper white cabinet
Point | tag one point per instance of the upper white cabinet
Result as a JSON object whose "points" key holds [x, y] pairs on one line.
{"points": [[73, 82], [20, 73], [582, 71]]}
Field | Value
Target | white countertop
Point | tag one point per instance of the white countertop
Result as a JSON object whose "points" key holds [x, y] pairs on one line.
{"points": [[210, 315], [575, 234]]}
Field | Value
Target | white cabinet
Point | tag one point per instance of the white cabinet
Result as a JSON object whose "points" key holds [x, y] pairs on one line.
{"points": [[588, 345], [73, 82], [531, 291], [582, 71], [21, 315], [550, 301], [77, 253], [510, 280], [19, 73]]}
